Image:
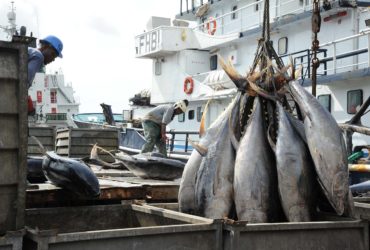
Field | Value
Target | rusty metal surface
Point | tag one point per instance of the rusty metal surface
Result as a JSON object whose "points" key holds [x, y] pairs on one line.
{"points": [[12, 240], [13, 134], [328, 235], [119, 227], [362, 209]]}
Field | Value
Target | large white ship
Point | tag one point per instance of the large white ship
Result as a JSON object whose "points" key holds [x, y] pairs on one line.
{"points": [[185, 53]]}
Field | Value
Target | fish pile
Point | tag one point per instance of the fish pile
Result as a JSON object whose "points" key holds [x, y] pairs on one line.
{"points": [[269, 155], [144, 165]]}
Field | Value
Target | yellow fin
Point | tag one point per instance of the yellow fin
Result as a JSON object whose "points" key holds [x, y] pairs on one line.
{"points": [[201, 149], [202, 128]]}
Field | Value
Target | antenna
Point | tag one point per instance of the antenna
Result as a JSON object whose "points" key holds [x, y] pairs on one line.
{"points": [[11, 19], [11, 29]]}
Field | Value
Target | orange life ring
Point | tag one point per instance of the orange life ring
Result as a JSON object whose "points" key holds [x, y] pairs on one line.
{"points": [[188, 85], [212, 30]]}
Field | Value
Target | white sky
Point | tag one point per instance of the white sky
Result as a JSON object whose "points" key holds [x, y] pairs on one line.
{"points": [[99, 45]]}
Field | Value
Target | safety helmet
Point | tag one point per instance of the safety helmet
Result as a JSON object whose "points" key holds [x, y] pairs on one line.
{"points": [[55, 42], [181, 105]]}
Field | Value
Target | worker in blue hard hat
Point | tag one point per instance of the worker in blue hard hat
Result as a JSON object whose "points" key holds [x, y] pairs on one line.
{"points": [[50, 48]]}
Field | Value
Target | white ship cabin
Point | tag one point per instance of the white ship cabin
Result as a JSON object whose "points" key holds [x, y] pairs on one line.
{"points": [[53, 100], [185, 51]]}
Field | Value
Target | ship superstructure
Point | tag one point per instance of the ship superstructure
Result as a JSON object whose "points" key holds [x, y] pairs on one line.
{"points": [[185, 53], [54, 100]]}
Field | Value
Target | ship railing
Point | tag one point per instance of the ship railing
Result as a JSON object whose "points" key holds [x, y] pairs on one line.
{"points": [[303, 58], [190, 6], [251, 16], [183, 141], [56, 116], [177, 140], [340, 61], [331, 61]]}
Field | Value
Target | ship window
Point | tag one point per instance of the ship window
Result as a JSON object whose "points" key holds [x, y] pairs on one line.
{"points": [[257, 5], [325, 101], [181, 117], [234, 16], [53, 96], [191, 115], [283, 45], [199, 114], [158, 68], [213, 62], [354, 100]]}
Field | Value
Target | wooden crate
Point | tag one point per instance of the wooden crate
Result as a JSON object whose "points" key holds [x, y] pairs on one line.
{"points": [[78, 142], [46, 135]]}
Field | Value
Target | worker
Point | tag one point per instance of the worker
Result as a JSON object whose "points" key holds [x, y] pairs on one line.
{"points": [[155, 122], [50, 48]]}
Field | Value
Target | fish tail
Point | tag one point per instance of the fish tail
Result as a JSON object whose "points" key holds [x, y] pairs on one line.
{"points": [[238, 80]]}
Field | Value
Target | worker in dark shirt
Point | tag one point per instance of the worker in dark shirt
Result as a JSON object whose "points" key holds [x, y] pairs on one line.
{"points": [[50, 48], [155, 122]]}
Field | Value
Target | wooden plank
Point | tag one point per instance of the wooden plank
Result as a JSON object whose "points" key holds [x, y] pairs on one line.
{"points": [[95, 134], [62, 151], [162, 193], [62, 134], [62, 143], [102, 142], [77, 150], [58, 197], [41, 131], [112, 189]]}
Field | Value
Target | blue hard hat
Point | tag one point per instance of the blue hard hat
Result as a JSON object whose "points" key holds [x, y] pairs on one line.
{"points": [[55, 42]]}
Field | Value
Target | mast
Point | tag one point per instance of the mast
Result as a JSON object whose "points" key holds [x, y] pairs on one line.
{"points": [[10, 29]]}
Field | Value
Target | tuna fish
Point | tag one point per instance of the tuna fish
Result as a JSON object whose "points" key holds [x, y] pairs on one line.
{"points": [[187, 185], [188, 197], [327, 148], [72, 175], [213, 188], [34, 170], [295, 171], [255, 181], [360, 188], [152, 166], [69, 174]]}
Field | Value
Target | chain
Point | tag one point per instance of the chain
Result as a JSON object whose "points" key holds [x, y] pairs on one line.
{"points": [[316, 24]]}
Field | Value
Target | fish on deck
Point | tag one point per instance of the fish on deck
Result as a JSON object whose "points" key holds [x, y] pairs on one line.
{"points": [[69, 174], [152, 166]]}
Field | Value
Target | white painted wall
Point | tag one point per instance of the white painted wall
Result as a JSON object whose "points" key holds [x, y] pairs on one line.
{"points": [[46, 83]]}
